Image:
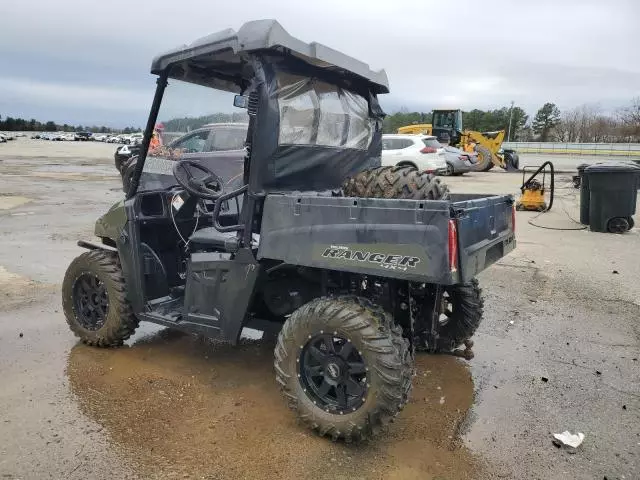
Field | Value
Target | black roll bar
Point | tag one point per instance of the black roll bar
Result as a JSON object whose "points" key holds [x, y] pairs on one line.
{"points": [[148, 132]]}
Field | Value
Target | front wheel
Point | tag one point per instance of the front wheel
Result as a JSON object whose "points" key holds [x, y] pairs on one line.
{"points": [[94, 300], [343, 367], [485, 158]]}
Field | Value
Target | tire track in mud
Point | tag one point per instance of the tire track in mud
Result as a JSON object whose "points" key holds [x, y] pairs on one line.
{"points": [[183, 407]]}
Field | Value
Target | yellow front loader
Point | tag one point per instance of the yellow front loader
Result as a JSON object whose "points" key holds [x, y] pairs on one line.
{"points": [[446, 125]]}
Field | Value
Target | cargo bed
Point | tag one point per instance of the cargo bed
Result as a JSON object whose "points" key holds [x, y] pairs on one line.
{"points": [[432, 241]]}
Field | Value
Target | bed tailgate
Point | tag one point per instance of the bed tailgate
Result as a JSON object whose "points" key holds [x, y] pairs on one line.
{"points": [[486, 231]]}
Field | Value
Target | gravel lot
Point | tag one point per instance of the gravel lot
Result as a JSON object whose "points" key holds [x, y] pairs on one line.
{"points": [[558, 350]]}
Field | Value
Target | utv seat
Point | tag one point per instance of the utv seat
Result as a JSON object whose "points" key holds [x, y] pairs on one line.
{"points": [[210, 237]]}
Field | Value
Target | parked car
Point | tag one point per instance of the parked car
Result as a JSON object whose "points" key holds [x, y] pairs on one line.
{"points": [[2, 139], [458, 161], [8, 136], [419, 151], [135, 138], [82, 136], [219, 146]]}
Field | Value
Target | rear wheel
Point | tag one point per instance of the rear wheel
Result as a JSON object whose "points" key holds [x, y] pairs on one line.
{"points": [[94, 300], [485, 162], [343, 367], [450, 170], [395, 182], [619, 224], [460, 314]]}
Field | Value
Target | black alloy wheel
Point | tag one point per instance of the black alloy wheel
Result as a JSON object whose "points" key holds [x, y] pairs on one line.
{"points": [[91, 303], [333, 373]]}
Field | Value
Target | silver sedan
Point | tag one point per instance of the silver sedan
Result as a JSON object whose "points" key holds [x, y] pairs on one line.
{"points": [[458, 161]]}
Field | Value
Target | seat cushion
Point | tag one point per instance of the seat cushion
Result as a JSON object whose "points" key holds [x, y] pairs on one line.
{"points": [[211, 237]]}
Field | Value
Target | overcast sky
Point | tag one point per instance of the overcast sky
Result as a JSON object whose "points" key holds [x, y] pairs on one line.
{"points": [[88, 62]]}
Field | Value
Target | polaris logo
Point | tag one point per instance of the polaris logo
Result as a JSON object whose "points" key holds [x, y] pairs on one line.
{"points": [[400, 262]]}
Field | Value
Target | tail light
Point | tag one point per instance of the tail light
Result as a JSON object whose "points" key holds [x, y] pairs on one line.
{"points": [[453, 246], [513, 218], [429, 150], [429, 171]]}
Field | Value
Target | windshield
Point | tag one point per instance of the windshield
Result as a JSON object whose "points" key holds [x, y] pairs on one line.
{"points": [[313, 112], [198, 124], [448, 119]]}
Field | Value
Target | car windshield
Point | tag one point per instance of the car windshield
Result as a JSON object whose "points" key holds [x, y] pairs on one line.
{"points": [[313, 112]]}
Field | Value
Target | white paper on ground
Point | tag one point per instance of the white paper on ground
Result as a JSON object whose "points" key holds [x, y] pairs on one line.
{"points": [[568, 438]]}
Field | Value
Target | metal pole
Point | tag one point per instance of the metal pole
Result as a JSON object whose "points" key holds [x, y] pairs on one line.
{"points": [[510, 117], [151, 121]]}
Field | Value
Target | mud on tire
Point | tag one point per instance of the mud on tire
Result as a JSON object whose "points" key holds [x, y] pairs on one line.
{"points": [[102, 322], [370, 334], [395, 182], [463, 317]]}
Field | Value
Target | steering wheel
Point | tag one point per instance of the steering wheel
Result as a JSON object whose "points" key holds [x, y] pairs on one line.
{"points": [[209, 186]]}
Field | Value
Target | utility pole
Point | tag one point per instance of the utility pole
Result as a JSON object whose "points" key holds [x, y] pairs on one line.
{"points": [[510, 117]]}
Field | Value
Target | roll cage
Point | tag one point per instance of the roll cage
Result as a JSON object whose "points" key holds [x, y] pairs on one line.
{"points": [[251, 62]]}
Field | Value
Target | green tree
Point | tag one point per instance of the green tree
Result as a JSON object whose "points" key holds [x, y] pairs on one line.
{"points": [[519, 119], [545, 120], [50, 126]]}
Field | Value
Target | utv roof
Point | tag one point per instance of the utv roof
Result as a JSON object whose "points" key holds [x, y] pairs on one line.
{"points": [[217, 59]]}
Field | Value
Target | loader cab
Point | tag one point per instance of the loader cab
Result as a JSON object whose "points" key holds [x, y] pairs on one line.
{"points": [[447, 123]]}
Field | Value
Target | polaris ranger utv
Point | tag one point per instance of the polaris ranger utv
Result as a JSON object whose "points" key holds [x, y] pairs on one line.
{"points": [[357, 266]]}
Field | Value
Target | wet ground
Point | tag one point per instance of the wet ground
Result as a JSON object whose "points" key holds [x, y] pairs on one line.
{"points": [[558, 350]]}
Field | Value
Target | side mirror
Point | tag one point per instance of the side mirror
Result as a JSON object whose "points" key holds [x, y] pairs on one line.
{"points": [[241, 101]]}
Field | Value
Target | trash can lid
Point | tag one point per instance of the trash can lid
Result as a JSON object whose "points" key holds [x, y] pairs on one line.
{"points": [[613, 167]]}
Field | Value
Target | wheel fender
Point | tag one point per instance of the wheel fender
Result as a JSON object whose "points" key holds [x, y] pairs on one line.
{"points": [[96, 246]]}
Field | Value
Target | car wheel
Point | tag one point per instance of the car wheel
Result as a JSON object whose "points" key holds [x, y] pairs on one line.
{"points": [[450, 170]]}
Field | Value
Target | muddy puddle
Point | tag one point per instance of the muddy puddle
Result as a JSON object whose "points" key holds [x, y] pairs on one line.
{"points": [[183, 407]]}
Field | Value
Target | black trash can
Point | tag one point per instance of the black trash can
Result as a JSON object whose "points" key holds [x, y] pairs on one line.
{"points": [[584, 194], [613, 191]]}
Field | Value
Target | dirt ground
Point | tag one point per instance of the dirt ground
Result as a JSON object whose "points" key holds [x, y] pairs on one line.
{"points": [[558, 350]]}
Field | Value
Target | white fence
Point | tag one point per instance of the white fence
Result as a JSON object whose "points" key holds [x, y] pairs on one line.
{"points": [[609, 149]]}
